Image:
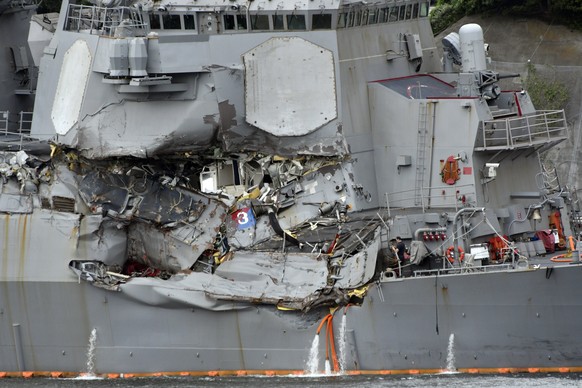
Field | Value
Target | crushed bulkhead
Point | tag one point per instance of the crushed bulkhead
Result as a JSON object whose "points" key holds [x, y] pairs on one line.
{"points": [[215, 232]]}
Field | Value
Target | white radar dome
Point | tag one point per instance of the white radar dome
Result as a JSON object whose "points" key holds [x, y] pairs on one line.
{"points": [[472, 48]]}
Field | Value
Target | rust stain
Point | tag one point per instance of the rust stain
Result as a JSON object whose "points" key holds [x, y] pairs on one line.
{"points": [[227, 115], [285, 372], [22, 228]]}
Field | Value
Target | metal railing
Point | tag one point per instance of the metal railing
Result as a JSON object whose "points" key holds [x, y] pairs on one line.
{"points": [[433, 197], [25, 122], [465, 269], [4, 115], [15, 138], [105, 21], [522, 132]]}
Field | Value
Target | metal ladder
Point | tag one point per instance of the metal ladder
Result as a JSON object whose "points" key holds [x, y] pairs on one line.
{"points": [[420, 154], [550, 179]]}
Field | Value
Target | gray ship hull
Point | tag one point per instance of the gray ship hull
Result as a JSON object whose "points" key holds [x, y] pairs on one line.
{"points": [[229, 188], [521, 319]]}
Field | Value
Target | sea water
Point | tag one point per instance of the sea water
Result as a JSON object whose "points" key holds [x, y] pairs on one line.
{"points": [[438, 380]]}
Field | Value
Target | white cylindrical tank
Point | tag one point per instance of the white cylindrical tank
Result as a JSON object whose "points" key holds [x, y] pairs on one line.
{"points": [[472, 48]]}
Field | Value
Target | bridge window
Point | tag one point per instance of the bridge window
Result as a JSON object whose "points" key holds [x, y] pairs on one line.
{"points": [[259, 22], [408, 11], [234, 22], [402, 12], [229, 23], [241, 22], [295, 22], [171, 22], [423, 9], [364, 17], [373, 16], [321, 22], [350, 19], [155, 22], [341, 22], [394, 14], [357, 18], [189, 23], [383, 15], [278, 22]]}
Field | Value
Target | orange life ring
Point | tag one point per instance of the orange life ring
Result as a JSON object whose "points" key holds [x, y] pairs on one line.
{"points": [[449, 254]]}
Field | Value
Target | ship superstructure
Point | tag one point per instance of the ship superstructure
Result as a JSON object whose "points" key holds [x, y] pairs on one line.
{"points": [[224, 180]]}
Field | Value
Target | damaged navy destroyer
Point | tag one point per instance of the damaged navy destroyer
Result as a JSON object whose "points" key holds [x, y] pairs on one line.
{"points": [[211, 185]]}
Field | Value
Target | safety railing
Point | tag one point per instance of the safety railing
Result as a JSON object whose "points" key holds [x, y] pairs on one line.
{"points": [[25, 122], [15, 135], [522, 132], [465, 269], [432, 197], [115, 21], [4, 115]]}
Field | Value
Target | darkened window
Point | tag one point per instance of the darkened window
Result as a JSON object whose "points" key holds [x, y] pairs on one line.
{"points": [[321, 22], [189, 23], [155, 22], [278, 22], [295, 22], [259, 22], [351, 18], [364, 18], [229, 22], [357, 18], [415, 11], [408, 11], [171, 22], [241, 22], [341, 22], [393, 14], [402, 12], [372, 16], [383, 17], [423, 9]]}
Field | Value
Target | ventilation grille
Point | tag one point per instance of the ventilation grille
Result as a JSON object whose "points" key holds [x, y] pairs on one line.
{"points": [[64, 204]]}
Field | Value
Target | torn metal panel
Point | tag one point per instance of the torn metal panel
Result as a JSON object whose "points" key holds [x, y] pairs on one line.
{"points": [[183, 126], [180, 291], [104, 192], [268, 276], [325, 141], [316, 194], [153, 201], [102, 239], [357, 270], [151, 246]]}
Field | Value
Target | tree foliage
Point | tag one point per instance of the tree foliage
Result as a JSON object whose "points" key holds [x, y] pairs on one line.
{"points": [[545, 93], [567, 12]]}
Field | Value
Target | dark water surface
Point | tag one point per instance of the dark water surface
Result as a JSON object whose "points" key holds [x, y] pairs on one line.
{"points": [[440, 380]]}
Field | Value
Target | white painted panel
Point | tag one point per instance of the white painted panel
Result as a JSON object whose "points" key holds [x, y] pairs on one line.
{"points": [[290, 86], [71, 88]]}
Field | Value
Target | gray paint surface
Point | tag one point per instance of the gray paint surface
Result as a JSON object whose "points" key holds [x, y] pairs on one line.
{"points": [[191, 240]]}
